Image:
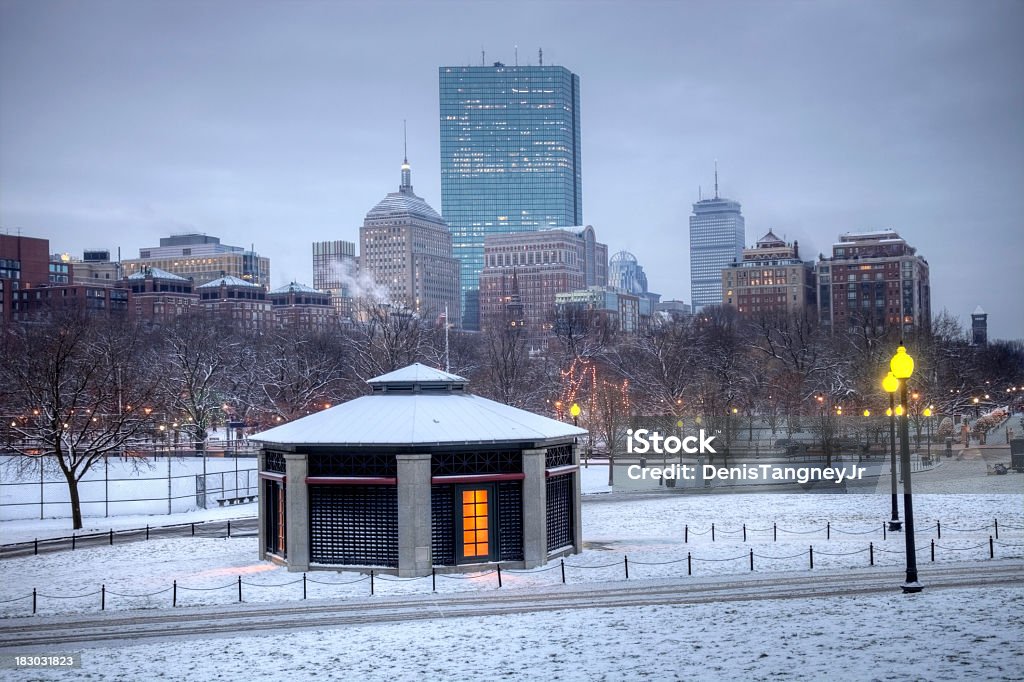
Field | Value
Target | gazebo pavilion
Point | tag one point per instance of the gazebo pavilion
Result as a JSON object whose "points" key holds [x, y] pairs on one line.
{"points": [[419, 474]]}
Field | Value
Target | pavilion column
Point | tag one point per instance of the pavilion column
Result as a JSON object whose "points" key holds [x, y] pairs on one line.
{"points": [[535, 527], [296, 496], [577, 503], [261, 462], [414, 516]]}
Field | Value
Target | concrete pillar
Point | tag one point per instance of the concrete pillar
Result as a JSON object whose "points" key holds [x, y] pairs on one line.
{"points": [[414, 516], [261, 461], [577, 504], [535, 498], [296, 510]]}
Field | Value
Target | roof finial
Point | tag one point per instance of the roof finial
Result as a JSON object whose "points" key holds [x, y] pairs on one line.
{"points": [[406, 185], [716, 178], [540, 55]]}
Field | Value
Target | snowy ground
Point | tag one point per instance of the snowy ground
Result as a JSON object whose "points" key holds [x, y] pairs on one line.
{"points": [[927, 636], [655, 532]]}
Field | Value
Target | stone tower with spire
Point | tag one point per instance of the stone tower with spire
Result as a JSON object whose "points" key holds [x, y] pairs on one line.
{"points": [[406, 248]]}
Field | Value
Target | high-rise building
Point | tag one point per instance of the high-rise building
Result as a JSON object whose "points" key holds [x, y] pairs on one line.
{"points": [[979, 327], [405, 247], [716, 240], [202, 258], [510, 159], [530, 268], [334, 271], [874, 280], [771, 278]]}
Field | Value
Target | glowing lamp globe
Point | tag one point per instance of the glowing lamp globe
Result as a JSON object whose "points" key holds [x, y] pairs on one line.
{"points": [[899, 410], [888, 412], [574, 410], [890, 383], [867, 413], [902, 365], [927, 412]]}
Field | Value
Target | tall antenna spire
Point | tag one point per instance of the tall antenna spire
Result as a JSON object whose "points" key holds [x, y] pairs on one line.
{"points": [[517, 55], [716, 178], [700, 193], [483, 58], [540, 55], [406, 185]]}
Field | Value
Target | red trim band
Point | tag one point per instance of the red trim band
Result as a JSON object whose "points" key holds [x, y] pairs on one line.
{"points": [[477, 478], [350, 480]]}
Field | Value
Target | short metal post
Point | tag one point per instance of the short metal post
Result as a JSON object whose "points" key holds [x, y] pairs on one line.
{"points": [[35, 550], [828, 530], [625, 561], [883, 530], [239, 588], [751, 559], [991, 549], [775, 532], [938, 528], [72, 541], [933, 551], [193, 530], [111, 536], [744, 532], [229, 527], [147, 531], [686, 534], [433, 580], [689, 564], [712, 532], [499, 575], [997, 528], [174, 594], [103, 597], [303, 585], [871, 553], [563, 571], [371, 582], [810, 554], [33, 601]]}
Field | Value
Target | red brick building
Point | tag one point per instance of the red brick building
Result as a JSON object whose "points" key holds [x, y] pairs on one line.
{"points": [[771, 278], [158, 296], [300, 306]]}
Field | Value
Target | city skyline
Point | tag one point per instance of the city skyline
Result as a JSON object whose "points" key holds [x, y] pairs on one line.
{"points": [[124, 123]]}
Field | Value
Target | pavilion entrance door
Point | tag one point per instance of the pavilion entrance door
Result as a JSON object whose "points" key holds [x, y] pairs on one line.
{"points": [[476, 540]]}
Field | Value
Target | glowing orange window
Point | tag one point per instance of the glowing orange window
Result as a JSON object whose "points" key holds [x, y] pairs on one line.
{"points": [[475, 530]]}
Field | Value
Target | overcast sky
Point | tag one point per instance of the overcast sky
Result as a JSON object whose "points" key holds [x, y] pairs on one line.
{"points": [[280, 123]]}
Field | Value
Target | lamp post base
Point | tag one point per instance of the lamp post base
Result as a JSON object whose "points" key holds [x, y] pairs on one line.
{"points": [[896, 525], [911, 588]]}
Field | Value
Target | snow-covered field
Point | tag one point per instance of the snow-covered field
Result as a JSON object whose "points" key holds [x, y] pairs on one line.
{"points": [[939, 634], [132, 488], [929, 636]]}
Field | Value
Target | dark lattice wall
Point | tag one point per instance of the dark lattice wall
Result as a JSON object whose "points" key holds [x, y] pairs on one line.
{"points": [[560, 511], [442, 521], [558, 456], [488, 462], [274, 461], [353, 464], [355, 525], [510, 521]]}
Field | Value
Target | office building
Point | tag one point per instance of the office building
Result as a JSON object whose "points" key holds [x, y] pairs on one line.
{"points": [[716, 240], [202, 258], [298, 306], [540, 265], [979, 327], [334, 271], [771, 278], [159, 297], [510, 159], [406, 249], [873, 280]]}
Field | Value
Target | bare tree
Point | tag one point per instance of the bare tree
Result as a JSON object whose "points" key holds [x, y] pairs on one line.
{"points": [[612, 414], [77, 393], [301, 373], [387, 337]]}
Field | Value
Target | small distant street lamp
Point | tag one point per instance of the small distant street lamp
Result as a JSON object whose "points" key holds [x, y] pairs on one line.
{"points": [[891, 384], [902, 367], [928, 416], [575, 412]]}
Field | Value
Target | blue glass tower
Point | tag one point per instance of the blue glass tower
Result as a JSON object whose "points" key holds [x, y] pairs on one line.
{"points": [[716, 240], [510, 159]]}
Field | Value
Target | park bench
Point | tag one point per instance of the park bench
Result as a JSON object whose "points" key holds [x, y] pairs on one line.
{"points": [[235, 500]]}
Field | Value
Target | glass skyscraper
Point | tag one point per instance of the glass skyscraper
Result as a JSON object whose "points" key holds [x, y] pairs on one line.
{"points": [[716, 240], [510, 159]]}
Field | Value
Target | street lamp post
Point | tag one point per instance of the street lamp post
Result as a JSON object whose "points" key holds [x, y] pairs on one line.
{"points": [[891, 384], [928, 416], [902, 366]]}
